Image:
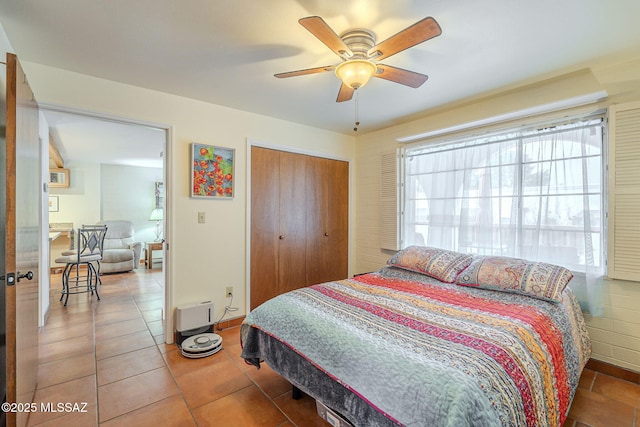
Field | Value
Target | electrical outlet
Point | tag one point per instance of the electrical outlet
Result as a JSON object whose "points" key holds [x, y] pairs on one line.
{"points": [[229, 292]]}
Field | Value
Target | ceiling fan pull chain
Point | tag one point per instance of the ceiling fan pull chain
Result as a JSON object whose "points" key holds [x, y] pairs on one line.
{"points": [[355, 129]]}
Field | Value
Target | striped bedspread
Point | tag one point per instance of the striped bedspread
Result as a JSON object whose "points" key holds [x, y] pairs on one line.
{"points": [[427, 353]]}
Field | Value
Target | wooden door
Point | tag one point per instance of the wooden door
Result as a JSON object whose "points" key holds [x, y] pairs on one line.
{"points": [[21, 212], [293, 214], [327, 220], [299, 222], [278, 216], [337, 243], [265, 224]]}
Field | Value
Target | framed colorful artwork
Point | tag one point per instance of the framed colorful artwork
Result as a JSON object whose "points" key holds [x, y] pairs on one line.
{"points": [[212, 171]]}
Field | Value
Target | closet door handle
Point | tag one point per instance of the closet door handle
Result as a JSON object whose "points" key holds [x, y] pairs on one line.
{"points": [[281, 237], [326, 234]]}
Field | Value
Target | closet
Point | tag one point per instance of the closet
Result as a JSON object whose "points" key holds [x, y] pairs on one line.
{"points": [[299, 221]]}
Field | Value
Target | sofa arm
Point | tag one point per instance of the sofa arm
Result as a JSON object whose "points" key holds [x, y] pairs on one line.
{"points": [[136, 247]]}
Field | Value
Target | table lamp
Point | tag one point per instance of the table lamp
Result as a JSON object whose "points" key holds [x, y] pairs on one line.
{"points": [[156, 215]]}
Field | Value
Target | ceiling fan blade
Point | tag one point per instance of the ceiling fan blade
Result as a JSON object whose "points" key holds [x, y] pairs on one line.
{"points": [[398, 75], [316, 26], [419, 32], [306, 71], [345, 93]]}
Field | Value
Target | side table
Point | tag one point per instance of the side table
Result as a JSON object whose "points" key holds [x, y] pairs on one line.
{"points": [[150, 247]]}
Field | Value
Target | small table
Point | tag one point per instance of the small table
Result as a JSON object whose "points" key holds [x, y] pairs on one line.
{"points": [[152, 246]]}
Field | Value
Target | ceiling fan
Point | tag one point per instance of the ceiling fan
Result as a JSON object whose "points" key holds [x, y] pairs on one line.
{"points": [[359, 53]]}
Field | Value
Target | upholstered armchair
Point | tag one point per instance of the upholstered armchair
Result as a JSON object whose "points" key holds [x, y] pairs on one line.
{"points": [[121, 252]]}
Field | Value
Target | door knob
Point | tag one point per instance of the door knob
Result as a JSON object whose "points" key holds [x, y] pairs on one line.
{"points": [[28, 276], [326, 234], [281, 237]]}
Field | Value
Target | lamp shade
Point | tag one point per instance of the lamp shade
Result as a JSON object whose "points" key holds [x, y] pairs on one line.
{"points": [[356, 72], [156, 215]]}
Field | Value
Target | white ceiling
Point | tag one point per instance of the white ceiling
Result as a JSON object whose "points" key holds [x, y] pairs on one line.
{"points": [[226, 52], [83, 138]]}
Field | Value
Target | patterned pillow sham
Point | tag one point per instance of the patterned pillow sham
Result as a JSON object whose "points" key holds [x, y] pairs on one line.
{"points": [[438, 263], [536, 279]]}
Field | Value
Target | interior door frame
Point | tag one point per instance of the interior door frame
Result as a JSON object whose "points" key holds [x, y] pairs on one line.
{"points": [[257, 143], [167, 172]]}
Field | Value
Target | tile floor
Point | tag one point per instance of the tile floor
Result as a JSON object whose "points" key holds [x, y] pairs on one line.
{"points": [[110, 355]]}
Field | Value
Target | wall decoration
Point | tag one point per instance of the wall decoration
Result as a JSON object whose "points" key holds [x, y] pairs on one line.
{"points": [[212, 171], [59, 178], [159, 195], [53, 204]]}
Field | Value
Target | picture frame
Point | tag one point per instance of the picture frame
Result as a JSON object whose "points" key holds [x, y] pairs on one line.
{"points": [[212, 172], [159, 195], [53, 204], [59, 178]]}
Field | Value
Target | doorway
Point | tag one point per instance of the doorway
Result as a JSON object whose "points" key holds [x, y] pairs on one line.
{"points": [[116, 167]]}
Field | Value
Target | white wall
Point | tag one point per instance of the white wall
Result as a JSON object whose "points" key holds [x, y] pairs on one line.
{"points": [[80, 203], [128, 193], [203, 258]]}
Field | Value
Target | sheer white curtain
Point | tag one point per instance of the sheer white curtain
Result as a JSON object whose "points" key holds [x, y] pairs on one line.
{"points": [[533, 194]]}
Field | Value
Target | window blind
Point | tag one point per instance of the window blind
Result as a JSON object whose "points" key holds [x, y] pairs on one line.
{"points": [[389, 207], [624, 192]]}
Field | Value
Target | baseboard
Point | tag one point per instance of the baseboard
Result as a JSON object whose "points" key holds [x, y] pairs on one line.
{"points": [[613, 370], [236, 321]]}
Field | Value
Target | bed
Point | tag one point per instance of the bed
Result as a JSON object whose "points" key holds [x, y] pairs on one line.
{"points": [[401, 347]]}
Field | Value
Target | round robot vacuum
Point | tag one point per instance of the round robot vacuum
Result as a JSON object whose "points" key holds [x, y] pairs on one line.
{"points": [[201, 345]]}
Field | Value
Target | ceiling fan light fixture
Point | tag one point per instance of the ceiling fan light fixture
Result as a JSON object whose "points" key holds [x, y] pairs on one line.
{"points": [[355, 73]]}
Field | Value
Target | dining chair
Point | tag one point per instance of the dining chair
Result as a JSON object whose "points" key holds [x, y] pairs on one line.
{"points": [[90, 241], [102, 229]]}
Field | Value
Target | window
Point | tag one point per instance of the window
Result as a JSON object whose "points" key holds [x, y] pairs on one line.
{"points": [[530, 193]]}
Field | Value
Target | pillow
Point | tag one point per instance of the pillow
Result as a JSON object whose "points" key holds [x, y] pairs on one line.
{"points": [[438, 263], [536, 279]]}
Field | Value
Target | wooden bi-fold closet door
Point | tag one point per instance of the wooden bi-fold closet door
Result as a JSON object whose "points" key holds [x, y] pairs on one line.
{"points": [[327, 220], [299, 221]]}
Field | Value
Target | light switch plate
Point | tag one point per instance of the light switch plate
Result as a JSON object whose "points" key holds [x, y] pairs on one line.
{"points": [[201, 218]]}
